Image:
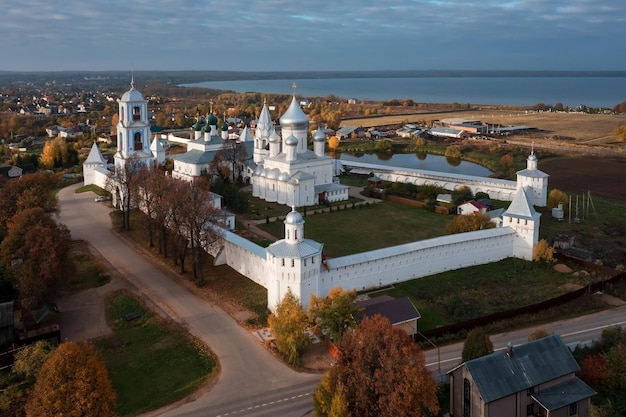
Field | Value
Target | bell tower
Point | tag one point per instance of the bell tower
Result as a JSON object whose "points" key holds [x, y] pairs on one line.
{"points": [[133, 130]]}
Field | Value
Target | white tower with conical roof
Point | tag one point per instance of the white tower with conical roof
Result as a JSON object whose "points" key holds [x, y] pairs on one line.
{"points": [[535, 180], [294, 263]]}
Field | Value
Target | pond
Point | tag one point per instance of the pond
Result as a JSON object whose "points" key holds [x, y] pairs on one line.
{"points": [[421, 161]]}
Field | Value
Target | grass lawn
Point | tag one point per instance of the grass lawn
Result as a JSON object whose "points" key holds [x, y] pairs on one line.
{"points": [[150, 362], [460, 295], [367, 227], [89, 271], [224, 285]]}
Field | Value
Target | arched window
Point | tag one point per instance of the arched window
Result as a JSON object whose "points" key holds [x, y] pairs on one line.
{"points": [[122, 113], [136, 113], [138, 142]]}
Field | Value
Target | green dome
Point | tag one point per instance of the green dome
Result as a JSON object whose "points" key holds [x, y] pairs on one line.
{"points": [[197, 127], [224, 126], [212, 120]]}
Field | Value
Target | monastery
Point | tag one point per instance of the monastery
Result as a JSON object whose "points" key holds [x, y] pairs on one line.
{"points": [[288, 173]]}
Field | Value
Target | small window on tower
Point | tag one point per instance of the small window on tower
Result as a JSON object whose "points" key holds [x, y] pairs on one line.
{"points": [[136, 113]]}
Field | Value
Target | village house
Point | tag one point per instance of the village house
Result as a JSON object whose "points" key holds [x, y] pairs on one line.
{"points": [[534, 379]]}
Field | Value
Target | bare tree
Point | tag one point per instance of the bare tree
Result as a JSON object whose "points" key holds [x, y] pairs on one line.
{"points": [[234, 154], [201, 222], [122, 185]]}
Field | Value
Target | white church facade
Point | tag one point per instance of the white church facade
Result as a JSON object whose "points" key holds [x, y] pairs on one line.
{"points": [[286, 171], [289, 173]]}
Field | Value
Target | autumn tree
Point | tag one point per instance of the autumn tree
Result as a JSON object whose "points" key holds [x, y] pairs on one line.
{"points": [[593, 370], [557, 196], [543, 251], [333, 142], [453, 152], [58, 154], [380, 372], [73, 382], [33, 190], [35, 252], [469, 223], [506, 161], [334, 314], [619, 132], [476, 344], [30, 359], [537, 334], [288, 325]]}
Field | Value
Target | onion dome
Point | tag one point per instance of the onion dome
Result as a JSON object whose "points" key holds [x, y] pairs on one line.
{"points": [[532, 157], [294, 217], [132, 94], [263, 173], [291, 141], [284, 177], [224, 127], [197, 127], [258, 170], [212, 120], [319, 135], [274, 138], [273, 174], [294, 116]]}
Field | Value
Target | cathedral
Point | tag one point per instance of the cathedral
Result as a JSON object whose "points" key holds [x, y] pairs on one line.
{"points": [[285, 170]]}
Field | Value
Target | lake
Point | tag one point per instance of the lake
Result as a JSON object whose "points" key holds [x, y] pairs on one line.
{"points": [[523, 91], [428, 163]]}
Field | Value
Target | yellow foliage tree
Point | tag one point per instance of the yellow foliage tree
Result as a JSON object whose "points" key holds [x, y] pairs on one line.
{"points": [[288, 327], [73, 382], [557, 196], [462, 224], [333, 142], [619, 132], [543, 252]]}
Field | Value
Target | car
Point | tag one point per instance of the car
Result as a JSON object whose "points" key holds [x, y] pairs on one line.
{"points": [[101, 198]]}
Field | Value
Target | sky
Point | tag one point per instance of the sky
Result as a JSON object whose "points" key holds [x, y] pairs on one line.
{"points": [[312, 35]]}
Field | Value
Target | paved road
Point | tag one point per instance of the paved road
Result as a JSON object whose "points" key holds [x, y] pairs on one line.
{"points": [[251, 382]]}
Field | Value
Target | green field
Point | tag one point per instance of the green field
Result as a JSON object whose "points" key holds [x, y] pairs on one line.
{"points": [[151, 363], [366, 227]]}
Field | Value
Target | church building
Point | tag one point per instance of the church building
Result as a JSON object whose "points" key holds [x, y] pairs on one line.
{"points": [[286, 171]]}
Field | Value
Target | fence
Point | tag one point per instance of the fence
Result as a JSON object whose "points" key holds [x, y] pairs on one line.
{"points": [[616, 276]]}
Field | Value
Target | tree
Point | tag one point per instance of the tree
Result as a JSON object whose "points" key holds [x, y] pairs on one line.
{"points": [[381, 372], [477, 344], [461, 195], [72, 382], [288, 327], [619, 132], [469, 223], [31, 358], [506, 161], [543, 252], [593, 370], [334, 314], [35, 252], [235, 155], [384, 146], [537, 334], [57, 154], [198, 218], [453, 152], [123, 185], [34, 190], [333, 142], [557, 196]]}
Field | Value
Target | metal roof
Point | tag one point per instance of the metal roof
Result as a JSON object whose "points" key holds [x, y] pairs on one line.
{"points": [[397, 310], [563, 394], [499, 375], [522, 207], [302, 249]]}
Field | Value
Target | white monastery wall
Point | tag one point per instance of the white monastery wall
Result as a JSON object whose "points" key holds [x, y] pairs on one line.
{"points": [[496, 188], [245, 257], [416, 259]]}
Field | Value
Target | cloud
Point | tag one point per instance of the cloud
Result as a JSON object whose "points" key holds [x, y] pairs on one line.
{"points": [[281, 34]]}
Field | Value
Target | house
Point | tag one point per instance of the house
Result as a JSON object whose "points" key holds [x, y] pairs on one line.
{"points": [[534, 379], [345, 132], [399, 311], [471, 207]]}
